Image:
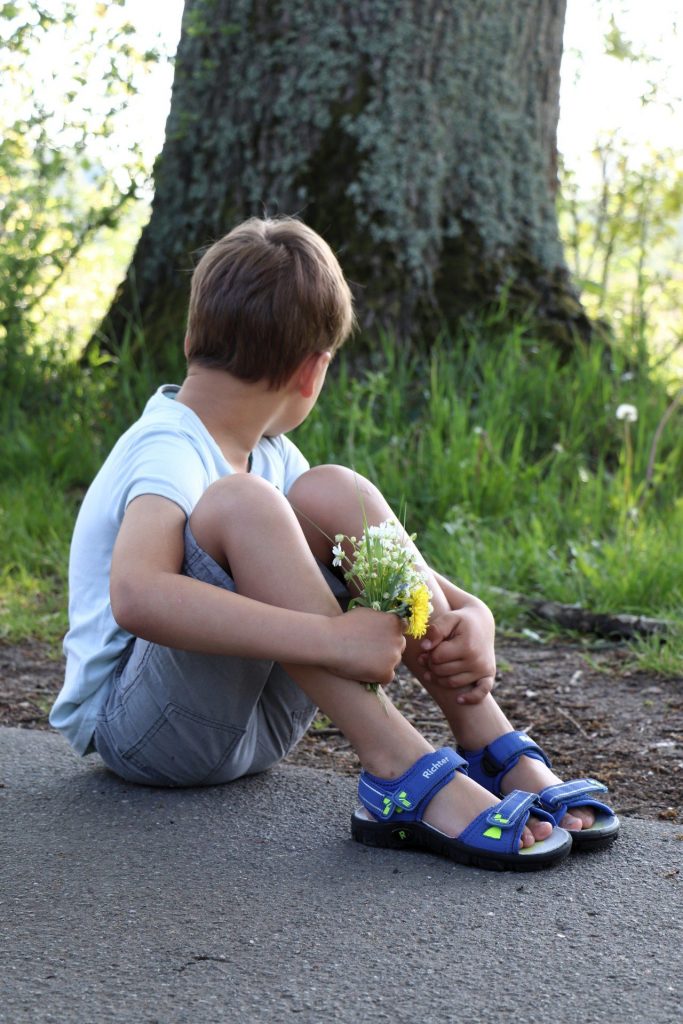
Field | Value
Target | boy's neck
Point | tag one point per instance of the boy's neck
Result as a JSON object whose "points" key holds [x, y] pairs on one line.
{"points": [[237, 414]]}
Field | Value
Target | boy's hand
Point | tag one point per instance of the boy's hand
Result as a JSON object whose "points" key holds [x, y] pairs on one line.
{"points": [[458, 651], [368, 645]]}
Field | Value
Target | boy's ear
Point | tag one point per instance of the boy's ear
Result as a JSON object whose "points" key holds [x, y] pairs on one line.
{"points": [[308, 374], [186, 346]]}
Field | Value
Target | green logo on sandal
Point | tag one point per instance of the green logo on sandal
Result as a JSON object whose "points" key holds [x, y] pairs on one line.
{"points": [[388, 804]]}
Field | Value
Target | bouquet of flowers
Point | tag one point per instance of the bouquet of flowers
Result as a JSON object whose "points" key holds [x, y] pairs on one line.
{"points": [[382, 569]]}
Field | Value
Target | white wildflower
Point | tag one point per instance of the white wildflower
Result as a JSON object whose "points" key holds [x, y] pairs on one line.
{"points": [[381, 567], [627, 412]]}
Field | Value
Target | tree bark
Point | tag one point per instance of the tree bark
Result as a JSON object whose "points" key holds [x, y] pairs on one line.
{"points": [[417, 136]]}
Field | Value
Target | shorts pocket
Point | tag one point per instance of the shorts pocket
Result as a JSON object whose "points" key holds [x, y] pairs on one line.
{"points": [[301, 721], [183, 748], [131, 665]]}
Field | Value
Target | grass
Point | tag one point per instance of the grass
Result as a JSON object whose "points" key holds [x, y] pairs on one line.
{"points": [[516, 472], [36, 519], [512, 465]]}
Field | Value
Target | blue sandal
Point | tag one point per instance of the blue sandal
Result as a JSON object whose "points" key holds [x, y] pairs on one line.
{"points": [[488, 766], [490, 841]]}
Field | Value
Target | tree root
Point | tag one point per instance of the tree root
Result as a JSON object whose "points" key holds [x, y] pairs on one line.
{"points": [[611, 626]]}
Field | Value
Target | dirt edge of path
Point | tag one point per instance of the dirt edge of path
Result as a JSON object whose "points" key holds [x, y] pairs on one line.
{"points": [[587, 706]]}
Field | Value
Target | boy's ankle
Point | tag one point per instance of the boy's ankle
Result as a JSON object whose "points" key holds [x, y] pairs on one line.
{"points": [[528, 774], [392, 764]]}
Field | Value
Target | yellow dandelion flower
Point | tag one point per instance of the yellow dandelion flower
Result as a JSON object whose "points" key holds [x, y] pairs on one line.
{"points": [[419, 611]]}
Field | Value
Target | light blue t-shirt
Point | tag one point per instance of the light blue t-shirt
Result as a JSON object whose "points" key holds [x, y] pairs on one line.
{"points": [[167, 452]]}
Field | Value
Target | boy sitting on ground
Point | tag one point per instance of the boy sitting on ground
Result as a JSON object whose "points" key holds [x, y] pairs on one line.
{"points": [[206, 624]]}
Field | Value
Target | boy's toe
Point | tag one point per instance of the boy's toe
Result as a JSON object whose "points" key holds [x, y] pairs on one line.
{"points": [[535, 832], [527, 839], [578, 818]]}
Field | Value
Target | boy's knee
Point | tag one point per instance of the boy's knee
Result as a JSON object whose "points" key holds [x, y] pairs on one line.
{"points": [[234, 493], [232, 498], [330, 483], [331, 478]]}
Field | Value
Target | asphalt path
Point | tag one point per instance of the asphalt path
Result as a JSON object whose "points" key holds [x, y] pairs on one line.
{"points": [[250, 903]]}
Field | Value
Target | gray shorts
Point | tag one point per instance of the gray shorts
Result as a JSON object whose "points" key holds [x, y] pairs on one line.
{"points": [[176, 718]]}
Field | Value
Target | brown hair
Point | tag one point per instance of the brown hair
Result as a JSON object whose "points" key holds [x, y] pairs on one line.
{"points": [[263, 298]]}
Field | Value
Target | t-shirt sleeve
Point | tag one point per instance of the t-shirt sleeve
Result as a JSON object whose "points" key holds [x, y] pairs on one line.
{"points": [[294, 462], [168, 465]]}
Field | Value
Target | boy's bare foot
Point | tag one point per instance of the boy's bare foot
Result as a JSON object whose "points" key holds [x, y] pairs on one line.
{"points": [[481, 726], [532, 776], [459, 802], [453, 808]]}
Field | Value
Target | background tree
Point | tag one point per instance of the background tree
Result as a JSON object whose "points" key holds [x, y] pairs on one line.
{"points": [[58, 189], [419, 137]]}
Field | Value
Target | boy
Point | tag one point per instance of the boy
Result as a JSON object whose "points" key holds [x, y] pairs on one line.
{"points": [[204, 626]]}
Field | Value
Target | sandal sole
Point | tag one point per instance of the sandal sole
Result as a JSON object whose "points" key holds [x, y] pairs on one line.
{"points": [[587, 840], [417, 836]]}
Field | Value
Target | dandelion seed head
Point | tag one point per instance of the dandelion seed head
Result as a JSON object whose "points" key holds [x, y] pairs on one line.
{"points": [[627, 412]]}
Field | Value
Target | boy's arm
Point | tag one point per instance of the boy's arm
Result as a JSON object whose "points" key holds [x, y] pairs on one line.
{"points": [[152, 600], [458, 650]]}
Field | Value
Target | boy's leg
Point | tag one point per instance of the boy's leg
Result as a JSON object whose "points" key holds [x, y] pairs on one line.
{"points": [[246, 525], [181, 718], [331, 500]]}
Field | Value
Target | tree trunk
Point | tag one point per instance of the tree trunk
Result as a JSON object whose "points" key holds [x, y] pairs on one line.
{"points": [[417, 136]]}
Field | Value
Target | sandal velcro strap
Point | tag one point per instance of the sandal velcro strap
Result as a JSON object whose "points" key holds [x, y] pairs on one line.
{"points": [[573, 792], [500, 829], [490, 764], [501, 755], [408, 795], [511, 808], [577, 793]]}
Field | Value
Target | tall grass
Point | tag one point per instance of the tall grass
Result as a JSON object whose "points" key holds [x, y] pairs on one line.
{"points": [[510, 460], [58, 420], [515, 469]]}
